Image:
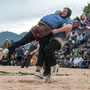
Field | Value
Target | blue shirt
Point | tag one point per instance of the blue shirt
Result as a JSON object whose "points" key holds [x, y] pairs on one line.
{"points": [[32, 48], [62, 34], [53, 20]]}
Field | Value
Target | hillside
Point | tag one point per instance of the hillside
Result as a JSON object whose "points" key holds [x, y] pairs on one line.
{"points": [[10, 36]]}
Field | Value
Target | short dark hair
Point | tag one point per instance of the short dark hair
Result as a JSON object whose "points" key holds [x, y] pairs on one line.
{"points": [[69, 11]]}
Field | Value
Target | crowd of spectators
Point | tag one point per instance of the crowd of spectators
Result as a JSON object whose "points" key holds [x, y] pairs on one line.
{"points": [[21, 56], [76, 52]]}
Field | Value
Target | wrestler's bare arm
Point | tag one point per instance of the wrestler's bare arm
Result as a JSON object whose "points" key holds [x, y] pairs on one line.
{"points": [[65, 28]]}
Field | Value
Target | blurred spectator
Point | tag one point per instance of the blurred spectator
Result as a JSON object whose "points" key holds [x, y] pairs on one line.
{"points": [[6, 44], [78, 61], [11, 42], [30, 53], [20, 54]]}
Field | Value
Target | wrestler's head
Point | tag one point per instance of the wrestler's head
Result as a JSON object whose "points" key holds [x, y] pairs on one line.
{"points": [[66, 12]]}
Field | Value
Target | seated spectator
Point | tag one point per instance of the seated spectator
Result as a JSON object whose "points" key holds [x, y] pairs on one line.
{"points": [[71, 62], [78, 61], [32, 50], [67, 61], [88, 44], [85, 62], [85, 37], [20, 53], [79, 38]]}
